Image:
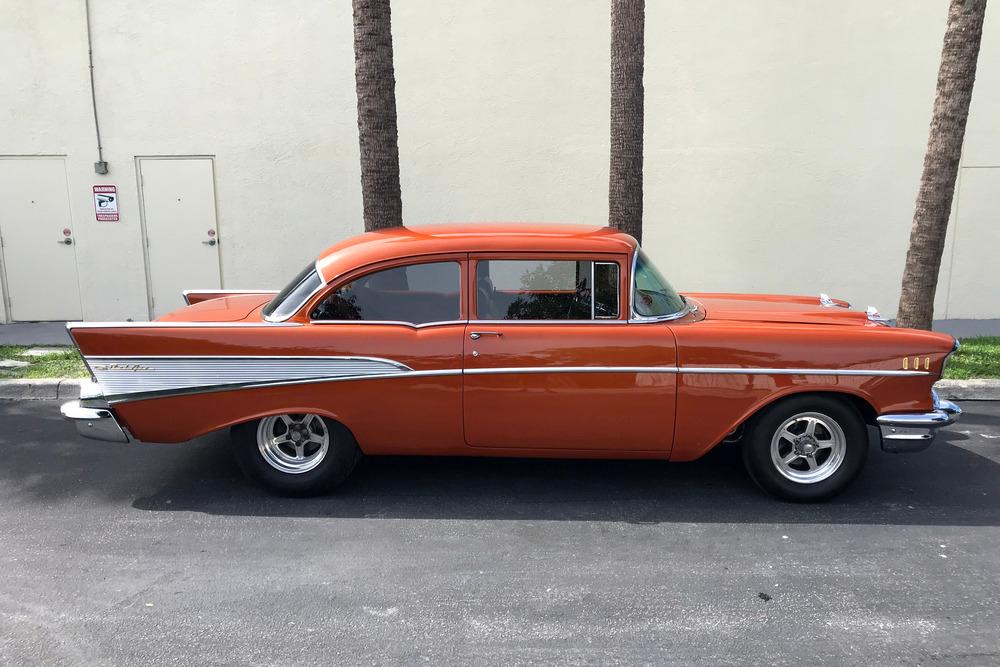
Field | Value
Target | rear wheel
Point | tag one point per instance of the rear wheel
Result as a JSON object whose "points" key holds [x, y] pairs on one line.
{"points": [[806, 448], [295, 454]]}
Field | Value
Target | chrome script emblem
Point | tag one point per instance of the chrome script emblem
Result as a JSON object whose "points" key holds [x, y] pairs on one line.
{"points": [[133, 368]]}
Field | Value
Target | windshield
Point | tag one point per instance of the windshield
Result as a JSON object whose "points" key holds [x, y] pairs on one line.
{"points": [[296, 293], [653, 296]]}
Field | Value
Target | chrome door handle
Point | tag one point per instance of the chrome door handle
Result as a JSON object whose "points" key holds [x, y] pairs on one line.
{"points": [[476, 335]]}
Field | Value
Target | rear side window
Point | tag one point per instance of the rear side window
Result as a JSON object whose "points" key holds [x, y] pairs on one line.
{"points": [[515, 289], [417, 294]]}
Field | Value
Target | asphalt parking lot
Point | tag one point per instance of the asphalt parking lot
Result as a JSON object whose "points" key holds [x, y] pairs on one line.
{"points": [[163, 553]]}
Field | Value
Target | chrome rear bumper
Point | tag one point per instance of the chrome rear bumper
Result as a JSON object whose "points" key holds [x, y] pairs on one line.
{"points": [[92, 416], [913, 432]]}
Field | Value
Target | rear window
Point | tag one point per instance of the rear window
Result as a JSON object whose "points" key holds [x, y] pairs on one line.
{"points": [[288, 301], [416, 294]]}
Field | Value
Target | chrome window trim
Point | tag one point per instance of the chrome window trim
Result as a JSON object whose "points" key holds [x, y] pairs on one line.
{"points": [[517, 322], [634, 317], [593, 295], [298, 308], [593, 290], [401, 323]]}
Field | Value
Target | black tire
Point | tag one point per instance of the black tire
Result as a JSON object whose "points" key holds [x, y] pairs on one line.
{"points": [[341, 455], [828, 414]]}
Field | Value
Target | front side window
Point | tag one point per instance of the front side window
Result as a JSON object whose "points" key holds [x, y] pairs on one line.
{"points": [[652, 294], [288, 301], [418, 294], [516, 289]]}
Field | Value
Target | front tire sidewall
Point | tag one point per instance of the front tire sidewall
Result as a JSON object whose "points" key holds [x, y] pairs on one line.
{"points": [[340, 459], [757, 449]]}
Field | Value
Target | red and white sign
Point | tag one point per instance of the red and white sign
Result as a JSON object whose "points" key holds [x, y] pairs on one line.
{"points": [[106, 203]]}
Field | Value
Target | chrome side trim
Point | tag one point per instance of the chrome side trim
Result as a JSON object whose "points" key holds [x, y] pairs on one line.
{"points": [[188, 292], [570, 369], [121, 376], [187, 391], [176, 325], [798, 371], [137, 377]]}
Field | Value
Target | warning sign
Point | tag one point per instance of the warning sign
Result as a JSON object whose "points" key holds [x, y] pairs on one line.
{"points": [[106, 203]]}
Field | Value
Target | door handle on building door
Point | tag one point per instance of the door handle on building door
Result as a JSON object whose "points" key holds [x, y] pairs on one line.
{"points": [[66, 241], [210, 242]]}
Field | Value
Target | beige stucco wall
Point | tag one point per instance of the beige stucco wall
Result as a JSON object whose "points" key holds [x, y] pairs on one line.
{"points": [[783, 140]]}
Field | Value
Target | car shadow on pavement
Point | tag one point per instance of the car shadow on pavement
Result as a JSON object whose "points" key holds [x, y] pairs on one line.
{"points": [[955, 482], [946, 485]]}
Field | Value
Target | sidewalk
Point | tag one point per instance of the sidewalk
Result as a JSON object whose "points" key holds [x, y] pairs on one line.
{"points": [[34, 333]]}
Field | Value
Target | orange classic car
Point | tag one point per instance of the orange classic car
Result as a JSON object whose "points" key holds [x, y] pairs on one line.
{"points": [[513, 340]]}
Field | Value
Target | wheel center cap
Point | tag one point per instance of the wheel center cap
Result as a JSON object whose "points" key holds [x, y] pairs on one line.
{"points": [[296, 435], [806, 446]]}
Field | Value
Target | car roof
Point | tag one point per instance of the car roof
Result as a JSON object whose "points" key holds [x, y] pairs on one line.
{"points": [[401, 242]]}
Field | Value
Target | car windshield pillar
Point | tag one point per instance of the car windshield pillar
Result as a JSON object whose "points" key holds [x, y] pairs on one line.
{"points": [[291, 299]]}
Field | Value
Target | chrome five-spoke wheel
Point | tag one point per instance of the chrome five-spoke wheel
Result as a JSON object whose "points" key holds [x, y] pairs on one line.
{"points": [[293, 444], [808, 447]]}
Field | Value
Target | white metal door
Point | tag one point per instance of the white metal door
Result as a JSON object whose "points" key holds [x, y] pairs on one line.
{"points": [[39, 250], [181, 234]]}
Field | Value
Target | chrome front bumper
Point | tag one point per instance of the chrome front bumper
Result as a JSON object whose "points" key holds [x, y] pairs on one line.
{"points": [[914, 432], [92, 416]]}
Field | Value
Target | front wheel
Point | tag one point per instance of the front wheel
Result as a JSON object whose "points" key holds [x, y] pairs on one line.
{"points": [[295, 454], [806, 448]]}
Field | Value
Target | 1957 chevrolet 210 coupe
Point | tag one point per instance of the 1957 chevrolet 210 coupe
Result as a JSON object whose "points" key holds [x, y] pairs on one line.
{"points": [[511, 340]]}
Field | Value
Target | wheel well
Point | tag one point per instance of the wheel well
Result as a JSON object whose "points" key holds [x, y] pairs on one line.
{"points": [[335, 423], [864, 408]]}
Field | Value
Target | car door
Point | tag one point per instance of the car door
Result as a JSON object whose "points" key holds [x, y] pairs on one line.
{"points": [[552, 363], [406, 319]]}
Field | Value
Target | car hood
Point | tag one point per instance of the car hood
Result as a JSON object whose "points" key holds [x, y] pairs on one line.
{"points": [[777, 308], [223, 309]]}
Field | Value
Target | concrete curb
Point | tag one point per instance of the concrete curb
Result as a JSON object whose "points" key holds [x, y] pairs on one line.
{"points": [[969, 390], [68, 388], [48, 389]]}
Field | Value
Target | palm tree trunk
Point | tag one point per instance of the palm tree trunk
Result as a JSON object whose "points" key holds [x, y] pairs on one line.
{"points": [[944, 151], [377, 134], [627, 51]]}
